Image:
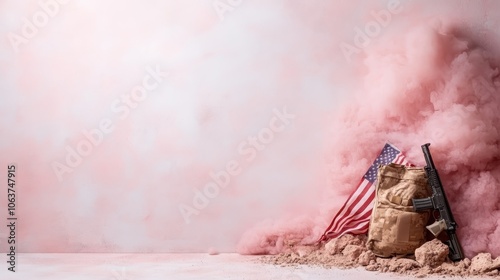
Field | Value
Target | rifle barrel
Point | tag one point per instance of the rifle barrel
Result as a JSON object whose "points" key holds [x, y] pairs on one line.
{"points": [[427, 155]]}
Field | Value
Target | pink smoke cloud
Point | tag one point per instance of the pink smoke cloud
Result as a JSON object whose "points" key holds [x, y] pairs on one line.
{"points": [[227, 77], [427, 86]]}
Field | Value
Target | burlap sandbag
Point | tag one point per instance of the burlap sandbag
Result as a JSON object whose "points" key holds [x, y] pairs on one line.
{"points": [[395, 229]]}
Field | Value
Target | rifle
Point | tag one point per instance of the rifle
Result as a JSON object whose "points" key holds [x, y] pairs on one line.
{"points": [[439, 202]]}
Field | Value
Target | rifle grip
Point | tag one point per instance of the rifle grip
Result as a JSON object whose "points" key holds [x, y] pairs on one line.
{"points": [[420, 204]]}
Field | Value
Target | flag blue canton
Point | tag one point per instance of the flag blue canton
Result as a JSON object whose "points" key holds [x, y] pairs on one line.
{"points": [[388, 154]]}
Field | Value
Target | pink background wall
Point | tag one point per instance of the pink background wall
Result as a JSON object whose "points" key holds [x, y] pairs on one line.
{"points": [[226, 79]]}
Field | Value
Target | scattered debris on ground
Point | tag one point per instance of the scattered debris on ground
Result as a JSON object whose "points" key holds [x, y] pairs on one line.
{"points": [[349, 251]]}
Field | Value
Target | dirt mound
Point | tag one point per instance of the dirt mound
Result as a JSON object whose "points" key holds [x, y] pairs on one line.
{"points": [[349, 251]]}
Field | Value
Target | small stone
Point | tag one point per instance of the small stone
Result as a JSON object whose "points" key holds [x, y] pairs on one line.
{"points": [[466, 262], [303, 251], [481, 263], [366, 258], [372, 267], [337, 245], [352, 252], [496, 263], [432, 253]]}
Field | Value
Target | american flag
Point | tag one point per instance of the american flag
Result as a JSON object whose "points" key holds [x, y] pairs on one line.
{"points": [[354, 216]]}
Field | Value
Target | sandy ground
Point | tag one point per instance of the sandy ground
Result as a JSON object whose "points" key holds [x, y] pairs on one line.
{"points": [[173, 266]]}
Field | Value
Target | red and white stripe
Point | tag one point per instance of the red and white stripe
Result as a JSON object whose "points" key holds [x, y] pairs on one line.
{"points": [[354, 216]]}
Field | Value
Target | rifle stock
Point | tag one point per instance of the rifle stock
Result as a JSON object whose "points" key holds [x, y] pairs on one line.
{"points": [[456, 253]]}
